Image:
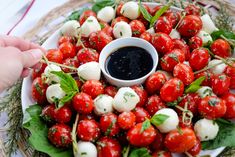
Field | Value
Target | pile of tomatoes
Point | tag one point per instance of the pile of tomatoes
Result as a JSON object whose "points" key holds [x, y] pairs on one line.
{"points": [[179, 60]]}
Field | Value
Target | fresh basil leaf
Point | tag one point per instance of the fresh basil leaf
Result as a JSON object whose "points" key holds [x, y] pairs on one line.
{"points": [[38, 138], [144, 12], [225, 137], [159, 13], [140, 152], [159, 119], [146, 124], [195, 85], [217, 34], [99, 4], [76, 14]]}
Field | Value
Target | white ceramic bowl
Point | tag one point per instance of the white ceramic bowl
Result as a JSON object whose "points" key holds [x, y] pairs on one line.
{"points": [[124, 42]]}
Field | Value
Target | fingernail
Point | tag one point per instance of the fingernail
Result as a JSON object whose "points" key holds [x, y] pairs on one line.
{"points": [[37, 53]]}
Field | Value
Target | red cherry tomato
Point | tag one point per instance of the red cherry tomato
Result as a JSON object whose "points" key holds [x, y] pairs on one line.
{"points": [[60, 135], [174, 17], [139, 137], [230, 71], [68, 50], [141, 93], [195, 150], [63, 114], [212, 107], [119, 19], [119, 8], [141, 114], [106, 28], [180, 141], [158, 142], [220, 84], [87, 55], [72, 62], [39, 90], [155, 82], [162, 42], [171, 90], [137, 28], [54, 55], [85, 15], [108, 147], [185, 124], [98, 40], [221, 48], [162, 153], [163, 25], [126, 120], [109, 124], [171, 59], [85, 42], [146, 36], [83, 103], [38, 72], [192, 9], [184, 72], [229, 99], [88, 130], [180, 44], [154, 104], [65, 39], [93, 88], [199, 58], [208, 76], [195, 42], [110, 90], [48, 113], [190, 26]]}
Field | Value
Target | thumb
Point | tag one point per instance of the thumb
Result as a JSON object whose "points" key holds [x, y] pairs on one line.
{"points": [[31, 57]]}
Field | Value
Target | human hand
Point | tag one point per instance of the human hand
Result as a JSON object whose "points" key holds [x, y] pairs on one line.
{"points": [[17, 57]]}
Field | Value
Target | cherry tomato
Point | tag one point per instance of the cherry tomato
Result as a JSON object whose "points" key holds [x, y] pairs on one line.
{"points": [[221, 48], [106, 28], [139, 137], [199, 58], [141, 92], [190, 26], [163, 25], [173, 16], [158, 142], [146, 36], [195, 150], [230, 71], [232, 82], [126, 120], [185, 124], [119, 19], [87, 55], [65, 39], [63, 114], [83, 103], [191, 100], [162, 153], [137, 28], [88, 130], [98, 40], [229, 99], [93, 88], [179, 141], [184, 72], [110, 90], [212, 107], [60, 135], [141, 114], [39, 90], [108, 147], [48, 113], [68, 50], [72, 62], [38, 72], [54, 55], [171, 59], [154, 104], [85, 15], [109, 124], [155, 82], [87, 116], [220, 84], [180, 44], [171, 90], [208, 76], [162, 42], [85, 42], [192, 9], [195, 42], [118, 11]]}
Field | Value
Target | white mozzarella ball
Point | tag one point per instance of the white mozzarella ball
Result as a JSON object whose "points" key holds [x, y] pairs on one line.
{"points": [[219, 69], [71, 28], [206, 37], [125, 100], [175, 34], [130, 10], [205, 91], [54, 92], [122, 30], [151, 30], [51, 78], [89, 71], [170, 123], [206, 129], [89, 26], [86, 149], [103, 104], [207, 24], [106, 14]]}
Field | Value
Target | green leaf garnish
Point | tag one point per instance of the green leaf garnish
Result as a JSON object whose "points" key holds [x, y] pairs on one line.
{"points": [[159, 119], [76, 14], [146, 124], [195, 85], [140, 152], [99, 4], [144, 12], [227, 35]]}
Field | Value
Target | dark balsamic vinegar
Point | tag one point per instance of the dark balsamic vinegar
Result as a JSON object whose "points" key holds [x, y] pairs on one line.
{"points": [[129, 63]]}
